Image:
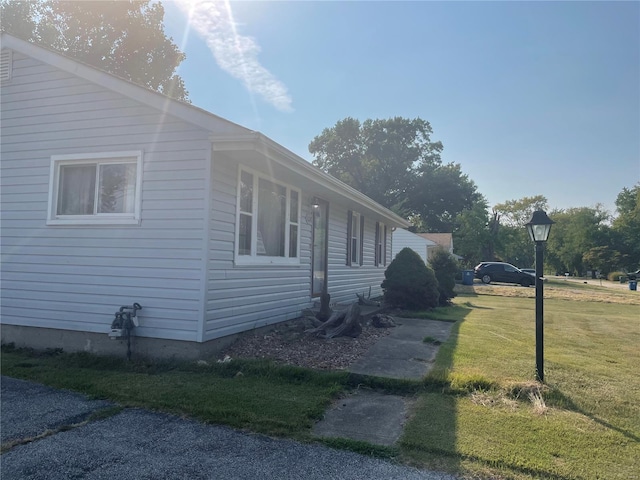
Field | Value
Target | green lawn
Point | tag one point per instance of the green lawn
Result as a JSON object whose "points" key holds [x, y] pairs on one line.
{"points": [[588, 422], [254, 395], [478, 413]]}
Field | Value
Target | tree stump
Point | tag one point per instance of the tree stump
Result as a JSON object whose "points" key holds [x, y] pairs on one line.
{"points": [[325, 310], [345, 322]]}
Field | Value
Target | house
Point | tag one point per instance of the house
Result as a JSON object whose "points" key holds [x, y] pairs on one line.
{"points": [[404, 238], [442, 240], [114, 194]]}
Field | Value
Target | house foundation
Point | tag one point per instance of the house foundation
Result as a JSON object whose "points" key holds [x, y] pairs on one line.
{"points": [[100, 344]]}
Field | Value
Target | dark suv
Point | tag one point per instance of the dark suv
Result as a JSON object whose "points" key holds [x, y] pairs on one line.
{"points": [[502, 272]]}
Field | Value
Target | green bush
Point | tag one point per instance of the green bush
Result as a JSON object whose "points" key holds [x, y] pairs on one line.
{"points": [[409, 283], [445, 268], [615, 276]]}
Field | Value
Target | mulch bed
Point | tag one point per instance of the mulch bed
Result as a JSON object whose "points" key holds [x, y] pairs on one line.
{"points": [[290, 345]]}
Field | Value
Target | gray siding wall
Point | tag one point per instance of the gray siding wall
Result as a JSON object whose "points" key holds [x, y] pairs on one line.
{"points": [[244, 297], [241, 298], [345, 281], [75, 277]]}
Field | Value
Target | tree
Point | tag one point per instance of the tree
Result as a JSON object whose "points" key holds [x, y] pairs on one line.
{"points": [[576, 231], [626, 227], [439, 194], [125, 37], [445, 268], [472, 234], [516, 213], [513, 244], [377, 157], [395, 162], [604, 258]]}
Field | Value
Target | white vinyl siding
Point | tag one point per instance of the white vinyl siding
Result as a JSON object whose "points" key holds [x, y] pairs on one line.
{"points": [[243, 297], [403, 238], [345, 281], [74, 277], [178, 257]]}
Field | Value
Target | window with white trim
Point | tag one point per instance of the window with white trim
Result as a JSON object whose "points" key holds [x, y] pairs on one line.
{"points": [[381, 245], [102, 188], [355, 230], [268, 221]]}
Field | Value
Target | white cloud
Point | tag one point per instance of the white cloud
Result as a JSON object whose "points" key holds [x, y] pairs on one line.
{"points": [[235, 54]]}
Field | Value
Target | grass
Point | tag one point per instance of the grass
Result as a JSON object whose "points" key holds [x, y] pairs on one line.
{"points": [[443, 314], [255, 395], [583, 424], [478, 413]]}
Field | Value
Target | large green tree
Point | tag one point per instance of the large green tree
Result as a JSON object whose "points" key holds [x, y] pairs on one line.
{"points": [[439, 194], [123, 37], [626, 227], [513, 244], [516, 213], [472, 234], [377, 157], [575, 233], [395, 162]]}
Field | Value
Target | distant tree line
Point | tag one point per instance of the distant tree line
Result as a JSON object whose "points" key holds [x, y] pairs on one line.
{"points": [[395, 162]]}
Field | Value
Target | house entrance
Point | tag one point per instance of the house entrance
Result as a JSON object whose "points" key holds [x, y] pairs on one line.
{"points": [[320, 247]]}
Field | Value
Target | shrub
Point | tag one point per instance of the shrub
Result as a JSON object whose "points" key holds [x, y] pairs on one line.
{"points": [[445, 268], [615, 276], [409, 283]]}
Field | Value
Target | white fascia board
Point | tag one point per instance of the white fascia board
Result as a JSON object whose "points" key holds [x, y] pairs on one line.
{"points": [[169, 106], [277, 153]]}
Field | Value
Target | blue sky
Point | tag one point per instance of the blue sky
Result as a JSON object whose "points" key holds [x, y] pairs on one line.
{"points": [[530, 98]]}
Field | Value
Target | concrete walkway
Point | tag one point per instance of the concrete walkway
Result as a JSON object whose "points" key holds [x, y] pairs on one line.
{"points": [[374, 417], [403, 353]]}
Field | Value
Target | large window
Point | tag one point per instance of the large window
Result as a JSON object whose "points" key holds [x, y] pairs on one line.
{"points": [[355, 230], [268, 221], [95, 188]]}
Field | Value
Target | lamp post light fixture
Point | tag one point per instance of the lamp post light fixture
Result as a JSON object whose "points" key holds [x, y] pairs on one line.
{"points": [[539, 227]]}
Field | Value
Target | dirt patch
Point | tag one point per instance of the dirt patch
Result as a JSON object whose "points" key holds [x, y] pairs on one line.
{"points": [[585, 293]]}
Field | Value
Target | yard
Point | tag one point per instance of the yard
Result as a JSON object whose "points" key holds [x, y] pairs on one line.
{"points": [[478, 413]]}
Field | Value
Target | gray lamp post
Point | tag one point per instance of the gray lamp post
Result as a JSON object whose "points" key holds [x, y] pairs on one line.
{"points": [[539, 227]]}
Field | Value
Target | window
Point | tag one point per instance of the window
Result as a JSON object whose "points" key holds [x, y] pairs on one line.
{"points": [[268, 221], [381, 245], [95, 188], [355, 229]]}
